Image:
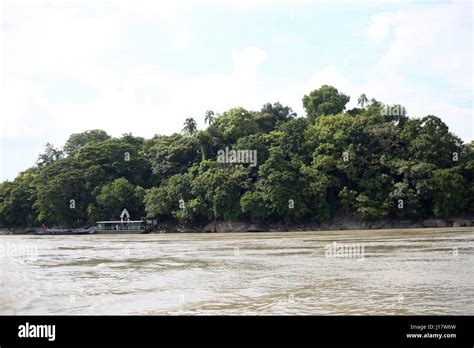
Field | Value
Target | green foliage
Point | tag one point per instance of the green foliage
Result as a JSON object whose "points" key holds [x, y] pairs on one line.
{"points": [[348, 199], [120, 194], [254, 206], [324, 101], [448, 187], [260, 142], [167, 200], [292, 138], [362, 100], [62, 198], [50, 155], [467, 170], [403, 193], [220, 190], [272, 114], [367, 208], [282, 187], [115, 158], [232, 125], [16, 200], [79, 140], [209, 116], [359, 163], [173, 154], [428, 139], [190, 127]]}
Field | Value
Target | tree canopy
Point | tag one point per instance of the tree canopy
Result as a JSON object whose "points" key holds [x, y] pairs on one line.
{"points": [[371, 162], [324, 101]]}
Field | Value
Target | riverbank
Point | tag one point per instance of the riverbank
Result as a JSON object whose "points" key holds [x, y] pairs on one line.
{"points": [[17, 230], [335, 225], [342, 223]]}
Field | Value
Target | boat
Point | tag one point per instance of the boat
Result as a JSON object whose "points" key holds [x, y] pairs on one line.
{"points": [[122, 227], [54, 231]]}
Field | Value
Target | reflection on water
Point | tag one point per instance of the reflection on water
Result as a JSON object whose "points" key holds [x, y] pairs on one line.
{"points": [[400, 272]]}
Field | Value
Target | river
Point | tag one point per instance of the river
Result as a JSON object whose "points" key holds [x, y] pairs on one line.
{"points": [[403, 272]]}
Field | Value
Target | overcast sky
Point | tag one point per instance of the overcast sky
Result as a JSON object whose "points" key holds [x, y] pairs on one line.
{"points": [[145, 66]]}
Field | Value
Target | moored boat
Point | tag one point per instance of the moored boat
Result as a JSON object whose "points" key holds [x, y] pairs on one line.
{"points": [[54, 231]]}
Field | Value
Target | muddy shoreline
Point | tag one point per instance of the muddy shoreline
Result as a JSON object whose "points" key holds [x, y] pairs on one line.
{"points": [[335, 225]]}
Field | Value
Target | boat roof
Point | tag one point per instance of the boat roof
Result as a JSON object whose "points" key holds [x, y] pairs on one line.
{"points": [[118, 222]]}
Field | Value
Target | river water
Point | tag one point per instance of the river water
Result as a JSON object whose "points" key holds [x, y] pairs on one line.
{"points": [[312, 273]]}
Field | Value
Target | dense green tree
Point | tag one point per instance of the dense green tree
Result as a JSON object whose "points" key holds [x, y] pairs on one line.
{"points": [[136, 142], [355, 111], [115, 158], [254, 206], [467, 170], [157, 202], [234, 124], [17, 199], [316, 186], [412, 178], [404, 201], [261, 143], [50, 155], [375, 110], [220, 189], [281, 186], [62, 198], [173, 154], [120, 194], [174, 199], [292, 138], [448, 187], [324, 101], [348, 199], [272, 114], [78, 140], [428, 139]]}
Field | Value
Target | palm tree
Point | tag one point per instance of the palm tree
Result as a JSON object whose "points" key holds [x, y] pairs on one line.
{"points": [[209, 117], [362, 100], [190, 126]]}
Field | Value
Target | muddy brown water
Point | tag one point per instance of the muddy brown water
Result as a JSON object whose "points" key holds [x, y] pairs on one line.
{"points": [[405, 272]]}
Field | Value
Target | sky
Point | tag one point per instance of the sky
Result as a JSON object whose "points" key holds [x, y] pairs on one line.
{"points": [[145, 66]]}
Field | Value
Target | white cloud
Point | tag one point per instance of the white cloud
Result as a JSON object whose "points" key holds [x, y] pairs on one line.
{"points": [[168, 98], [84, 42], [436, 39], [379, 27], [247, 61], [51, 39], [329, 76], [432, 41]]}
